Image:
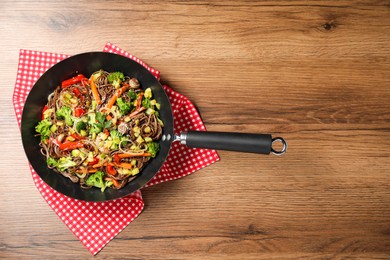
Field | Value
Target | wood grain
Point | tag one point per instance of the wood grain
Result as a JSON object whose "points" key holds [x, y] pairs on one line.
{"points": [[314, 72]]}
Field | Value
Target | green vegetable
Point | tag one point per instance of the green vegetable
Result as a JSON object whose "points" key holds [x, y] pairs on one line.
{"points": [[83, 133], [153, 148], [75, 152], [81, 125], [148, 93], [116, 78], [146, 103], [116, 139], [95, 128], [160, 122], [106, 185], [92, 108], [65, 112], [47, 113], [150, 111], [53, 128], [43, 128], [134, 171], [101, 119], [51, 162], [132, 94], [96, 180], [96, 75], [98, 122], [91, 118], [62, 164], [124, 107]]}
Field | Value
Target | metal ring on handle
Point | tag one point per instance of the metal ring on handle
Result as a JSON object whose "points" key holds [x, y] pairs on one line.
{"points": [[284, 148]]}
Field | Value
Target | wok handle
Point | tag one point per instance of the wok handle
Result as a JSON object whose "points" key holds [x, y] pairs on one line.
{"points": [[240, 142]]}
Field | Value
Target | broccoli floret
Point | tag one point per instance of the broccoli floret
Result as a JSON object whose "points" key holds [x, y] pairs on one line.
{"points": [[146, 103], [95, 128], [132, 94], [65, 163], [43, 128], [81, 125], [116, 139], [51, 162], [153, 148], [65, 113], [124, 107], [116, 78], [62, 164], [97, 181]]}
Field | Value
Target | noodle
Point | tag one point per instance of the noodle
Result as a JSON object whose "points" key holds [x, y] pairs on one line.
{"points": [[93, 143]]}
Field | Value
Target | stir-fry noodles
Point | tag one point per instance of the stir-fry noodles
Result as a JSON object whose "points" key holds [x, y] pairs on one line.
{"points": [[102, 131]]}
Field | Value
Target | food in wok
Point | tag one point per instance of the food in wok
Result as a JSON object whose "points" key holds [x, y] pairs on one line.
{"points": [[100, 131]]}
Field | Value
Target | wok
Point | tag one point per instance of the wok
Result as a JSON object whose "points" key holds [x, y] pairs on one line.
{"points": [[87, 63]]}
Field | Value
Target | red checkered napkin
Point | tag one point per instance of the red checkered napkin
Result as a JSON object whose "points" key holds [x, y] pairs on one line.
{"points": [[97, 223]]}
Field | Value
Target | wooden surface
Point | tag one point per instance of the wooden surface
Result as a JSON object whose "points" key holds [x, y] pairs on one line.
{"points": [[314, 72]]}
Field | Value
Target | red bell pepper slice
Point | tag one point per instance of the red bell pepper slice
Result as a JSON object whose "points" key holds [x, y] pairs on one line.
{"points": [[70, 146], [66, 146], [84, 82], [117, 159], [43, 111], [78, 111], [77, 92], [77, 136], [95, 161], [71, 81], [110, 169]]}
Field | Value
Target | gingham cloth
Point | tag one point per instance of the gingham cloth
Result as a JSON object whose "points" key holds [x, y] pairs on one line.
{"points": [[97, 223]]}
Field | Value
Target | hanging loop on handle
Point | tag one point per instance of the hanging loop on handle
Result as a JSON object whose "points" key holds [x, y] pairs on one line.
{"points": [[284, 148]]}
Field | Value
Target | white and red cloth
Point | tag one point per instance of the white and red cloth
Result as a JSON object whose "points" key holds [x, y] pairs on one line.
{"points": [[97, 223]]}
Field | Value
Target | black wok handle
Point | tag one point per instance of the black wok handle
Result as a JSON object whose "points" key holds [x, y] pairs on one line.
{"points": [[240, 142]]}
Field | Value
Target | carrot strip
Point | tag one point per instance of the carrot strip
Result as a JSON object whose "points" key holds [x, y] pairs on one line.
{"points": [[95, 92], [116, 95], [88, 171], [98, 165], [124, 165], [128, 155], [137, 111], [139, 100]]}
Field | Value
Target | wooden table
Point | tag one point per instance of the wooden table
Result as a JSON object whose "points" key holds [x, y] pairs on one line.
{"points": [[315, 72]]}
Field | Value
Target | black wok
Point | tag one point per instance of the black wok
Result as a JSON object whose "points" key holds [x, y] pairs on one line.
{"points": [[87, 63]]}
